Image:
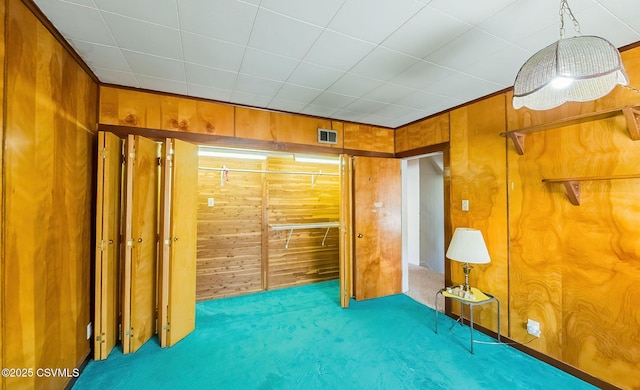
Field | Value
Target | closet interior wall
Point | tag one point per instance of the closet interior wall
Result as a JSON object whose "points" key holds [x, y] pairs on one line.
{"points": [[239, 251]]}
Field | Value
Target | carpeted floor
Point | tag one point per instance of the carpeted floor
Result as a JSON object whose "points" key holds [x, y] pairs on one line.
{"points": [[424, 284], [299, 338]]}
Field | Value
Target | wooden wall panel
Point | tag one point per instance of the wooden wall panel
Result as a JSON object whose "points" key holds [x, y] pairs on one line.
{"points": [[3, 6], [478, 174], [296, 199], [575, 268], [229, 233], [427, 132], [369, 138], [48, 171], [253, 124], [126, 107], [300, 129]]}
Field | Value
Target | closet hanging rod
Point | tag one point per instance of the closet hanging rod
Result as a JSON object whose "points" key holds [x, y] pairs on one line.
{"points": [[266, 171]]}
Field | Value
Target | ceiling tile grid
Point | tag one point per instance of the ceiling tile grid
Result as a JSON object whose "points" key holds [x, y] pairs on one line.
{"points": [[380, 62]]}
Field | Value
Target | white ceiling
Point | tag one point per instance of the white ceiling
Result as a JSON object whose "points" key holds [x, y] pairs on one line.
{"points": [[381, 62]]}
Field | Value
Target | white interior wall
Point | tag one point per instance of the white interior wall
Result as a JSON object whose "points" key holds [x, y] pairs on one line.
{"points": [[431, 219]]}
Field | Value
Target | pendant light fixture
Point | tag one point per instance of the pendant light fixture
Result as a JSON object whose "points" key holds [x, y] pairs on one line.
{"points": [[578, 69]]}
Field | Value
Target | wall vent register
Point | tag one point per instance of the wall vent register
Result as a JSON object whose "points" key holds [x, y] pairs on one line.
{"points": [[326, 136]]}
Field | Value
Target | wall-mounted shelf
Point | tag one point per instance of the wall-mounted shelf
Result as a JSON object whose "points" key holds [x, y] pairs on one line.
{"points": [[312, 225], [572, 184], [632, 115]]}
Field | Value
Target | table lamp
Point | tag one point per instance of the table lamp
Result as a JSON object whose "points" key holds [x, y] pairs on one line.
{"points": [[467, 246]]}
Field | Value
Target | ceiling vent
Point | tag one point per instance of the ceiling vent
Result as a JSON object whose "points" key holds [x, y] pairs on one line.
{"points": [[327, 136]]}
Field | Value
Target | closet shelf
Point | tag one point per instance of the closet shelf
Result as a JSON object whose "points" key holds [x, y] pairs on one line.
{"points": [[572, 184], [631, 114], [310, 225]]}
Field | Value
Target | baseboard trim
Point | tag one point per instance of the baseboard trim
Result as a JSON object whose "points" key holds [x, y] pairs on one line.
{"points": [[569, 369]]}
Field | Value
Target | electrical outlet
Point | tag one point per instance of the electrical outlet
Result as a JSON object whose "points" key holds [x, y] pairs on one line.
{"points": [[210, 202], [533, 328], [465, 205]]}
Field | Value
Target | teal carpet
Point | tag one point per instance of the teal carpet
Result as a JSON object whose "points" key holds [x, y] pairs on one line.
{"points": [[300, 338]]}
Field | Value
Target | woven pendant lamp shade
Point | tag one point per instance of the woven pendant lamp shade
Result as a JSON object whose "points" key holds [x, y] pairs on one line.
{"points": [[592, 64]]}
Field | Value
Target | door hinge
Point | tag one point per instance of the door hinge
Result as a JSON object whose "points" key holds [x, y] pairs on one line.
{"points": [[101, 246], [159, 161], [101, 338], [103, 153]]}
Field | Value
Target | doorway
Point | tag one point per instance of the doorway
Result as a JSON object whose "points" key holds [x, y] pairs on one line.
{"points": [[423, 227]]}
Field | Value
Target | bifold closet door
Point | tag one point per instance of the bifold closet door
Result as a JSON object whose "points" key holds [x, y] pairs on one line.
{"points": [[377, 227], [139, 271], [346, 232], [177, 308], [109, 176]]}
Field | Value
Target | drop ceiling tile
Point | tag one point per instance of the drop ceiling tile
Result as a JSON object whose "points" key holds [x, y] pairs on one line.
{"points": [[518, 19], [426, 32], [410, 117], [281, 35], [106, 57], [421, 75], [314, 76], [467, 49], [248, 99], [315, 12], [164, 11], [211, 52], [256, 86], [316, 110], [393, 111], [597, 21], [628, 15], [77, 22], [362, 18], [202, 91], [86, 3], [510, 60], [286, 105], [383, 64], [354, 85], [267, 65], [378, 120], [227, 20], [337, 51], [365, 106], [292, 92], [110, 76], [169, 86], [210, 77], [144, 37], [388, 93], [349, 116], [463, 87], [469, 10], [159, 67], [333, 100], [428, 102]]}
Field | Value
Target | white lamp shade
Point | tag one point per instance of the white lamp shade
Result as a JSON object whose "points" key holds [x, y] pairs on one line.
{"points": [[467, 246], [591, 64]]}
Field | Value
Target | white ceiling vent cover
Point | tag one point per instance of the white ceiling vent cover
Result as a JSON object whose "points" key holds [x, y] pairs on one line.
{"points": [[327, 136]]}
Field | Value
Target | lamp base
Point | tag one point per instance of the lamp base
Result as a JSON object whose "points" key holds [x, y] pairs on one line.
{"points": [[466, 268]]}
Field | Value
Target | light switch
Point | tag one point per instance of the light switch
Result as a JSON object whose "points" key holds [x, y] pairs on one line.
{"points": [[210, 202], [465, 205]]}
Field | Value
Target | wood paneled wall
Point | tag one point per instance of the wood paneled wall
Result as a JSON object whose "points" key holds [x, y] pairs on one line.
{"points": [[302, 198], [236, 125], [237, 251], [229, 259], [3, 10], [574, 269], [49, 147]]}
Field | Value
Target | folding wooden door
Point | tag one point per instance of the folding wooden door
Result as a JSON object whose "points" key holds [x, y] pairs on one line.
{"points": [[177, 310], [107, 260]]}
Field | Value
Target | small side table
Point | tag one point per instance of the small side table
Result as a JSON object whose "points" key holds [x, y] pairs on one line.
{"points": [[484, 298]]}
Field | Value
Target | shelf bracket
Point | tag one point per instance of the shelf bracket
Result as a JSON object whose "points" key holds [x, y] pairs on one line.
{"points": [[632, 115], [518, 141], [288, 238], [572, 188], [325, 235]]}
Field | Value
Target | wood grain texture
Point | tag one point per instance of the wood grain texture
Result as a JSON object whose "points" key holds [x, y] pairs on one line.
{"points": [[3, 8], [300, 129], [478, 174], [302, 198], [427, 132], [575, 267], [370, 138], [253, 124], [377, 226], [229, 233], [49, 162], [120, 106]]}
